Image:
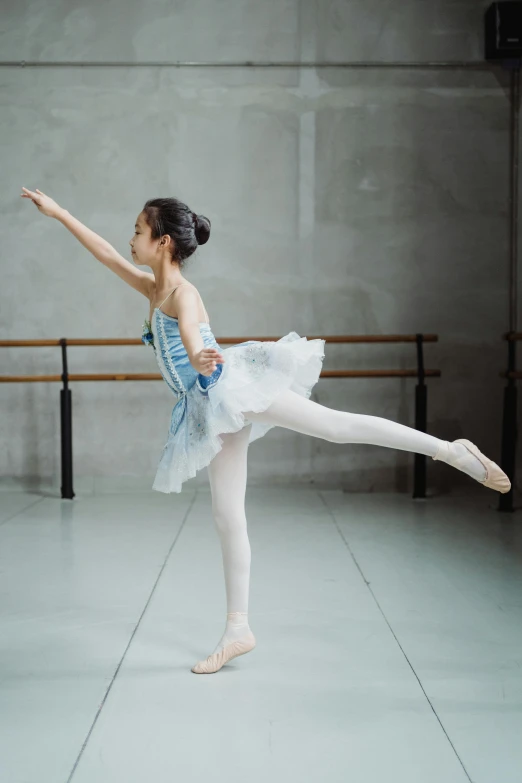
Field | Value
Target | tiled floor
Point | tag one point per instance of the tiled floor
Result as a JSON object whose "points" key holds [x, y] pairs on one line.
{"points": [[389, 640]]}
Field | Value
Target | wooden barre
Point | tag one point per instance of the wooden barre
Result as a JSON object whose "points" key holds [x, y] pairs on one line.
{"points": [[332, 338], [148, 376]]}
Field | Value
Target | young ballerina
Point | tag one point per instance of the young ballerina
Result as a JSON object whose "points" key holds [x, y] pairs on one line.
{"points": [[227, 399]]}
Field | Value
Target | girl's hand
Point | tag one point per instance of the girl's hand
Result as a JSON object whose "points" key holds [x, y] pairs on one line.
{"points": [[205, 361], [44, 203]]}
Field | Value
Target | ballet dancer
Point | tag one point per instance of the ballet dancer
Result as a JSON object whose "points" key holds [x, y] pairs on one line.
{"points": [[225, 399]]}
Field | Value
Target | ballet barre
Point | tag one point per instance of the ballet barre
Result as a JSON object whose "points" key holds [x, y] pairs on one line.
{"points": [[419, 372], [509, 420]]}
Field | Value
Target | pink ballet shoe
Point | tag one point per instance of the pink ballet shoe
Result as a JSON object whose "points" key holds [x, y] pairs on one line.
{"points": [[495, 476], [215, 661]]}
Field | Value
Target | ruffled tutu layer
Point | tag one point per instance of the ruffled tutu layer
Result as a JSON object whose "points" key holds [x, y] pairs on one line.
{"points": [[253, 375]]}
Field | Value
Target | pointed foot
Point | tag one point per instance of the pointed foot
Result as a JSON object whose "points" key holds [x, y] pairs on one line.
{"points": [[495, 477], [217, 660]]}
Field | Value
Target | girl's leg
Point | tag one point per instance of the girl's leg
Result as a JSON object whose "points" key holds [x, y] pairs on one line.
{"points": [[228, 475], [295, 412]]}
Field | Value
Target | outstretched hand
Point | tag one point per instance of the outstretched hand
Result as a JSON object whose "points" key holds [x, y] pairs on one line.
{"points": [[45, 204], [205, 361]]}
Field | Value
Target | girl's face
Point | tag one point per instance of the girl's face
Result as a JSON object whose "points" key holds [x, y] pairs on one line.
{"points": [[140, 242], [147, 251], [144, 249]]}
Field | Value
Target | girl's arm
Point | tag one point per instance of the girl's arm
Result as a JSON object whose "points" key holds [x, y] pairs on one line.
{"points": [[95, 244], [106, 253], [203, 359]]}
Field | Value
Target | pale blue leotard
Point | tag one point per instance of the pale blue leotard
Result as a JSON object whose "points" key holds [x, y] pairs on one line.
{"points": [[254, 373]]}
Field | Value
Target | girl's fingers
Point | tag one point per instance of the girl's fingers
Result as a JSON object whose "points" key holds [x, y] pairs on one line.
{"points": [[215, 353], [31, 194]]}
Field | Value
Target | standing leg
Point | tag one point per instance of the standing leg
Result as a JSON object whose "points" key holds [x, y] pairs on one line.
{"points": [[295, 412], [228, 475]]}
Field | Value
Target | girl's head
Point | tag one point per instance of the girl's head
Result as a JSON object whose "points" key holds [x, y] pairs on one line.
{"points": [[166, 226]]}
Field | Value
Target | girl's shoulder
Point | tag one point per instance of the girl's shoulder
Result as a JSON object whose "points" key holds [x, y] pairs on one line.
{"points": [[185, 285], [170, 305]]}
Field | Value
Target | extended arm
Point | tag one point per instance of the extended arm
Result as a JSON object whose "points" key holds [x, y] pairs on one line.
{"points": [[95, 244], [108, 255]]}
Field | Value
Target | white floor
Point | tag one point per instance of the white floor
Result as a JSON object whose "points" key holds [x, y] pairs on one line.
{"points": [[389, 640]]}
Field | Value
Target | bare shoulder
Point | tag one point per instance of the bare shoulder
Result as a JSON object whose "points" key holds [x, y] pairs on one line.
{"points": [[186, 293], [186, 290], [189, 302], [186, 286]]}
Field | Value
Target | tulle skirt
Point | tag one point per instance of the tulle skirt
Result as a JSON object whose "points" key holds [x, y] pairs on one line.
{"points": [[252, 376]]}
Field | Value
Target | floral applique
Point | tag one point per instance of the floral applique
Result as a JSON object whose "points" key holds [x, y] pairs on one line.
{"points": [[147, 336], [252, 357]]}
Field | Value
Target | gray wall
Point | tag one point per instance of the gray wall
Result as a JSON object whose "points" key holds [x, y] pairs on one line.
{"points": [[342, 201]]}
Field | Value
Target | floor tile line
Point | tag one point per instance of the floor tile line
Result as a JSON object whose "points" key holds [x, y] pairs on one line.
{"points": [[101, 705], [368, 585]]}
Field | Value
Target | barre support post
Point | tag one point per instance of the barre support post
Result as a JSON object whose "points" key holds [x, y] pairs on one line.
{"points": [[509, 429], [421, 416], [66, 427]]}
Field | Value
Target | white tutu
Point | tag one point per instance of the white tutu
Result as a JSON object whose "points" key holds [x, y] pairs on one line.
{"points": [[252, 376]]}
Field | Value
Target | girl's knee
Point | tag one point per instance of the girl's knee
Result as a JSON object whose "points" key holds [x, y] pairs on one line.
{"points": [[334, 431], [228, 522]]}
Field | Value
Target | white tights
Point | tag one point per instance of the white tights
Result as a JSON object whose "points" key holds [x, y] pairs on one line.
{"points": [[228, 476]]}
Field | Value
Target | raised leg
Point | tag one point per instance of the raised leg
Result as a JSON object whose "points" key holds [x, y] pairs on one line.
{"points": [[295, 412]]}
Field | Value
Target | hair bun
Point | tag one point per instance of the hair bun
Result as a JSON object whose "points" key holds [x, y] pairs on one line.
{"points": [[201, 229]]}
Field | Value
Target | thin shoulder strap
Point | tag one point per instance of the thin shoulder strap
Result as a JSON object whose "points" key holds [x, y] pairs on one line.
{"points": [[171, 292]]}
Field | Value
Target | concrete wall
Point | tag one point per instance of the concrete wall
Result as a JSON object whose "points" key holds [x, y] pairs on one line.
{"points": [[342, 201]]}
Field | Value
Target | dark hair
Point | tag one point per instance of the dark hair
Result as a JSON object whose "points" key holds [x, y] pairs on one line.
{"points": [[173, 217]]}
